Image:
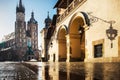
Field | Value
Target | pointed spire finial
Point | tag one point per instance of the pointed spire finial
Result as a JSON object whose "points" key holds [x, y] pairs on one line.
{"points": [[32, 14], [20, 3], [48, 14], [20, 7]]}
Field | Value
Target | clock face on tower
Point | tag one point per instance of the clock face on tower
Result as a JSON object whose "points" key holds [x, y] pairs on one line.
{"points": [[20, 17]]}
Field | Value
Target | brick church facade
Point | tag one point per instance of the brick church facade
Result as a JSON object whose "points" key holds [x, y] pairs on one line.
{"points": [[25, 36]]}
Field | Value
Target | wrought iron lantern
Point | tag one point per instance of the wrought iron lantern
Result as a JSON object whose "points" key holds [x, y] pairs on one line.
{"points": [[111, 34]]}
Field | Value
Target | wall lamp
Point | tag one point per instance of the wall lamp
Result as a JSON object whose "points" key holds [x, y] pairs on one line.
{"points": [[111, 33]]}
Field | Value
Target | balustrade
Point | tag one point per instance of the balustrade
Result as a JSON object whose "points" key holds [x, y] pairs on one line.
{"points": [[70, 8]]}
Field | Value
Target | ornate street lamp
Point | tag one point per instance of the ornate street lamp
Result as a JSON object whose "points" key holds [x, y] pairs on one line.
{"points": [[111, 34]]}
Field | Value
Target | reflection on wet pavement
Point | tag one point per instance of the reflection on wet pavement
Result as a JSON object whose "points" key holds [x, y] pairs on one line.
{"points": [[59, 71], [81, 71]]}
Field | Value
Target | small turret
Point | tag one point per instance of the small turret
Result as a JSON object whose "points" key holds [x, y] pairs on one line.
{"points": [[48, 21]]}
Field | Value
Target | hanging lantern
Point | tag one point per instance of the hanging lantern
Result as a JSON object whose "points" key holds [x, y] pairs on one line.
{"points": [[111, 34]]}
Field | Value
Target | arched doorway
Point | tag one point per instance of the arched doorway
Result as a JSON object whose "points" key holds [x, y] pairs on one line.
{"points": [[77, 39], [62, 43]]}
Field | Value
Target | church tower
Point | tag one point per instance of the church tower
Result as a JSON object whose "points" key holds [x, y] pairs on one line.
{"points": [[20, 31], [32, 27]]}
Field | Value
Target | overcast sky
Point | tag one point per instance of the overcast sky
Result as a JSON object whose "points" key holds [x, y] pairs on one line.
{"points": [[8, 14]]}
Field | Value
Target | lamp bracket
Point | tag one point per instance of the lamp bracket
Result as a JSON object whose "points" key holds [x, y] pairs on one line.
{"points": [[94, 19]]}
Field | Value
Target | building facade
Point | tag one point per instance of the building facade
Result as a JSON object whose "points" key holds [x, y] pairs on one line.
{"points": [[86, 30], [46, 34], [25, 40]]}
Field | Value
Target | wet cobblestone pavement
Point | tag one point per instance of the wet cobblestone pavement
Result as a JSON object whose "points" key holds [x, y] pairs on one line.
{"points": [[59, 71], [16, 71]]}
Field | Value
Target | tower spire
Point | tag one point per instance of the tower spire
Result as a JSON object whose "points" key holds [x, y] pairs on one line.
{"points": [[20, 8], [20, 3], [32, 14], [48, 15]]}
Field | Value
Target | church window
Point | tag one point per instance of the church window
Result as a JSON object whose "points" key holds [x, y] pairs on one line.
{"points": [[20, 30], [20, 35], [23, 35], [23, 31], [20, 40], [24, 40], [32, 46]]}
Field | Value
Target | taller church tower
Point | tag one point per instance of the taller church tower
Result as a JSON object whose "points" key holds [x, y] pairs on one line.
{"points": [[20, 31]]}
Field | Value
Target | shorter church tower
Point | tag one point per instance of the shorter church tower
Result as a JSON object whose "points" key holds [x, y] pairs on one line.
{"points": [[32, 39], [32, 27]]}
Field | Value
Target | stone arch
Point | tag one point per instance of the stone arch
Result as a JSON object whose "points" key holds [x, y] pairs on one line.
{"points": [[83, 15], [64, 27], [76, 31], [61, 37]]}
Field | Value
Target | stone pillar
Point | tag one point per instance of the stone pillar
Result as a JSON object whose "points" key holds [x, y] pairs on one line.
{"points": [[68, 47]]}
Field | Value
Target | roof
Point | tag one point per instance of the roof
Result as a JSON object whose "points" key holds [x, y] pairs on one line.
{"points": [[9, 36], [62, 3], [54, 20]]}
